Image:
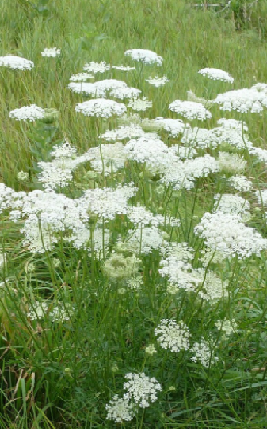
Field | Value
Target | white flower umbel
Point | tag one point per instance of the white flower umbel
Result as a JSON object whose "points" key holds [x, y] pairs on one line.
{"points": [[123, 68], [85, 87], [232, 204], [96, 67], [240, 183], [157, 81], [213, 288], [244, 100], [59, 171], [145, 239], [119, 410], [118, 267], [203, 353], [227, 326], [106, 202], [100, 88], [233, 163], [140, 104], [81, 77], [190, 110], [233, 132], [14, 62], [173, 126], [216, 75], [141, 389], [101, 108], [30, 113], [260, 153], [50, 52], [183, 174], [141, 216], [144, 55], [227, 234], [126, 132], [108, 157], [154, 152], [172, 335], [200, 137]]}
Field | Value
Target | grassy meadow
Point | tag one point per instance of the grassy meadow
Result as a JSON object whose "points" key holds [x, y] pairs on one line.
{"points": [[133, 282]]}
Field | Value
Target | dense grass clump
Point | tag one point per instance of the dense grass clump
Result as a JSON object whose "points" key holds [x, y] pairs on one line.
{"points": [[132, 216]]}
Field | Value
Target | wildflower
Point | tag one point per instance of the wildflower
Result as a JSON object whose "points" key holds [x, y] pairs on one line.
{"points": [[227, 326], [150, 349], [151, 151], [118, 266], [173, 126], [240, 183], [144, 55], [172, 335], [123, 68], [107, 202], [14, 62], [119, 410], [81, 77], [96, 67], [101, 108], [50, 52], [135, 283], [232, 204], [31, 113], [243, 100], [260, 153], [227, 234], [38, 310], [125, 132], [157, 82], [108, 157], [217, 75], [145, 239], [203, 353], [141, 389], [231, 162], [140, 104], [23, 176], [190, 110]]}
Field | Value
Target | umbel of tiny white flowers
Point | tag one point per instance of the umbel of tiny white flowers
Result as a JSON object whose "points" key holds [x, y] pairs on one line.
{"points": [[14, 62], [50, 52], [30, 113], [144, 55], [216, 75], [101, 108], [190, 110]]}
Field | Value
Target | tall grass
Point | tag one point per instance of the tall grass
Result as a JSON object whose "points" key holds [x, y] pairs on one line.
{"points": [[62, 373]]}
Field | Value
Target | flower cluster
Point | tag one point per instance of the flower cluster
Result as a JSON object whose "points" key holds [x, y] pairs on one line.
{"points": [[172, 335], [14, 62], [141, 389], [216, 75], [227, 234], [157, 82], [144, 55], [31, 113], [190, 110], [50, 52], [101, 108], [96, 67]]}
